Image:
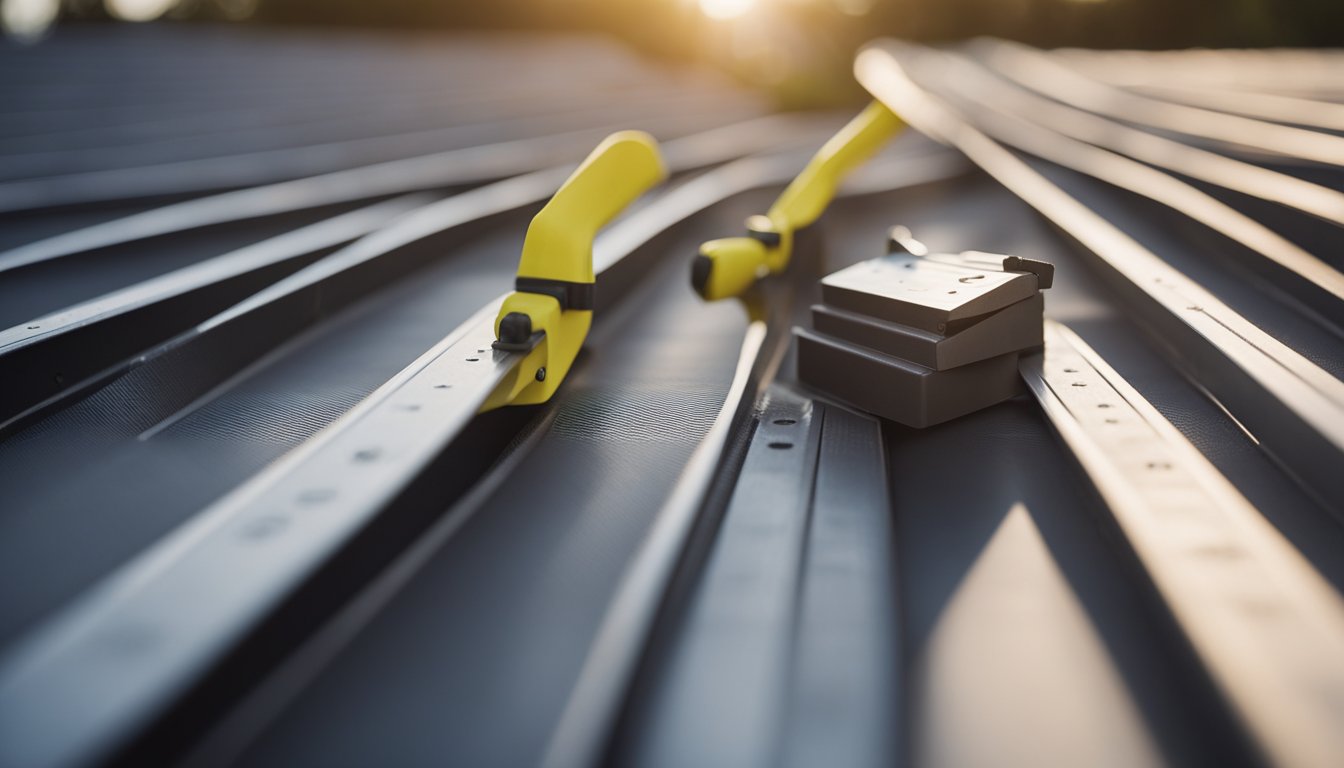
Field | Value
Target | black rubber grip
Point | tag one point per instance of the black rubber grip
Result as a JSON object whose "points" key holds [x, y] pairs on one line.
{"points": [[570, 295], [769, 238], [700, 271]]}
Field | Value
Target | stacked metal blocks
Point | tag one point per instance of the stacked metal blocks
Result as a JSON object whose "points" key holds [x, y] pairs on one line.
{"points": [[923, 338]]}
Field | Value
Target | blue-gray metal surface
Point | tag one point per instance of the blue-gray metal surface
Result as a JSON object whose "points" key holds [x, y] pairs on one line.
{"points": [[587, 582]]}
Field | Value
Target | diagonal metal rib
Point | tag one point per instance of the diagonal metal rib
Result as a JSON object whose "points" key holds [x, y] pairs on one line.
{"points": [[255, 547], [1265, 624], [1230, 173], [91, 338], [1037, 71], [273, 166], [1264, 106], [1291, 405], [348, 139], [444, 169], [1301, 274], [583, 734], [1247, 71], [376, 256]]}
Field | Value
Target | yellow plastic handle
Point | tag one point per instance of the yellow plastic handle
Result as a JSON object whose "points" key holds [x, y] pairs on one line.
{"points": [[804, 200], [560, 239], [729, 266], [552, 308]]}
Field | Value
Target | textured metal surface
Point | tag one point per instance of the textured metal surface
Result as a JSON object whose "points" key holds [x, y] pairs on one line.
{"points": [[293, 379], [1293, 404], [494, 667], [737, 632], [191, 558], [1020, 620], [606, 579], [190, 424], [1269, 629], [791, 624]]}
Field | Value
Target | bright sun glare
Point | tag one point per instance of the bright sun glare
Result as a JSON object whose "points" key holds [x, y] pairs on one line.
{"points": [[725, 9]]}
